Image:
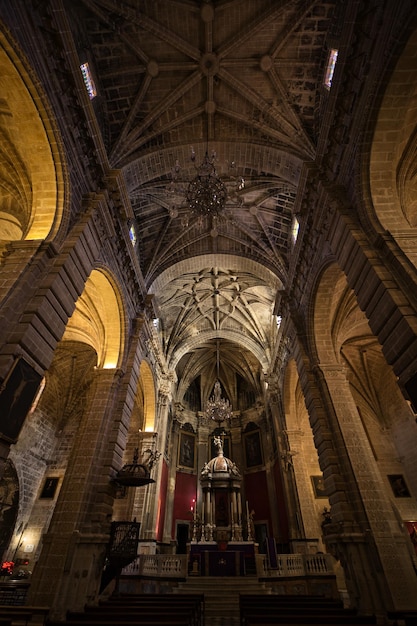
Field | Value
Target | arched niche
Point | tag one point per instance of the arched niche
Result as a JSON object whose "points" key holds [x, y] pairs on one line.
{"points": [[98, 320], [147, 393], [31, 165]]}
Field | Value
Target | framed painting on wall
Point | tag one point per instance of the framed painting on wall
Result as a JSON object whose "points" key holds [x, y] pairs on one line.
{"points": [[318, 487], [253, 449], [399, 486], [49, 488], [186, 450], [18, 391]]}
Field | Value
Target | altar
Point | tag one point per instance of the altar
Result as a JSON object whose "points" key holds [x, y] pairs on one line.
{"points": [[235, 559]]}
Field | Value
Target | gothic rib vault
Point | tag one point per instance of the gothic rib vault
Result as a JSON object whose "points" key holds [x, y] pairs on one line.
{"points": [[237, 80]]}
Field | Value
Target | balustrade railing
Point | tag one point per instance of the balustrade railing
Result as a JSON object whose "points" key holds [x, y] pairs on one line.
{"points": [[296, 565], [288, 565], [157, 565]]}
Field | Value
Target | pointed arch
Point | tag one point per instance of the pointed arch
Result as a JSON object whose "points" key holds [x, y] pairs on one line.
{"points": [[149, 403], [98, 320], [32, 168]]}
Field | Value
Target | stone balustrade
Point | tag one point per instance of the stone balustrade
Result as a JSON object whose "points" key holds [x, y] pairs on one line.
{"points": [[288, 565]]}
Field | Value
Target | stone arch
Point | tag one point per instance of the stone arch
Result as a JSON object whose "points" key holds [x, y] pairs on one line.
{"points": [[330, 293], [238, 338], [147, 388], [98, 320], [343, 339], [393, 157], [31, 164]]}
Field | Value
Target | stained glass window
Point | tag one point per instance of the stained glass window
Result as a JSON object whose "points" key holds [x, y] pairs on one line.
{"points": [[88, 80], [331, 64]]}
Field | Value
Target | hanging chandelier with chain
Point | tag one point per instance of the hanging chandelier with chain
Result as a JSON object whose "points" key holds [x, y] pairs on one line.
{"points": [[206, 193], [217, 408]]}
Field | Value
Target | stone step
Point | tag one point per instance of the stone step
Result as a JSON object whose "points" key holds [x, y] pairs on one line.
{"points": [[222, 596]]}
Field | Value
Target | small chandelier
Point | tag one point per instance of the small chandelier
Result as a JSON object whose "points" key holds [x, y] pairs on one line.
{"points": [[206, 193], [218, 409]]}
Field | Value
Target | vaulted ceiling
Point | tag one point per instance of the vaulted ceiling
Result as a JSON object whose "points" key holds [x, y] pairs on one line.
{"points": [[240, 80]]}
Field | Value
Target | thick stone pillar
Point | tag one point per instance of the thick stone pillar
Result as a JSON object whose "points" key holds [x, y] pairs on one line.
{"points": [[372, 548], [68, 572]]}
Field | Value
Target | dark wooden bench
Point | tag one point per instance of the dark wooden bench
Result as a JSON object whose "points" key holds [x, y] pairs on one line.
{"points": [[301, 623], [127, 604], [23, 613], [261, 610], [120, 621], [143, 610], [130, 616], [409, 618], [295, 620]]}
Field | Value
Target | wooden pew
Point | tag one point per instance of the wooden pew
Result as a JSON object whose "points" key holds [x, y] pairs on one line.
{"points": [[24, 614], [264, 610], [143, 610]]}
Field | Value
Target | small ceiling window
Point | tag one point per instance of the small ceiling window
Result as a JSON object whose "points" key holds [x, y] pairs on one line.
{"points": [[331, 64], [294, 230], [132, 234], [88, 80]]}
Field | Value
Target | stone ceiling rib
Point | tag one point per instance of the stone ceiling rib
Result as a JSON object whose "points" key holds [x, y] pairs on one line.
{"points": [[131, 143], [241, 79], [149, 25]]}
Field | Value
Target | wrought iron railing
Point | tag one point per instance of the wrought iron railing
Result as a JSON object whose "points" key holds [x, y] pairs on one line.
{"points": [[124, 539]]}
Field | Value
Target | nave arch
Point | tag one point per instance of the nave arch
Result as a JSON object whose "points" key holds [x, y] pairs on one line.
{"points": [[345, 343], [98, 320], [392, 157], [32, 170], [93, 341], [146, 395]]}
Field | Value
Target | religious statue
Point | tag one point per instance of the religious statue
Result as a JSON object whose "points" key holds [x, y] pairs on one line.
{"points": [[217, 440]]}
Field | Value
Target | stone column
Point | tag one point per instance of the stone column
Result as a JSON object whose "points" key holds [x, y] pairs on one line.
{"points": [[365, 534], [74, 548], [296, 459], [152, 441]]}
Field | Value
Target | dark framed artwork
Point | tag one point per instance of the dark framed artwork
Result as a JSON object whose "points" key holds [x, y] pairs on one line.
{"points": [[399, 486], [253, 449], [186, 450], [49, 488], [17, 394], [318, 487]]}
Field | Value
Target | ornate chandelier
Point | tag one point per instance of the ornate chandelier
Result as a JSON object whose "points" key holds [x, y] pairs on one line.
{"points": [[206, 193], [218, 409]]}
